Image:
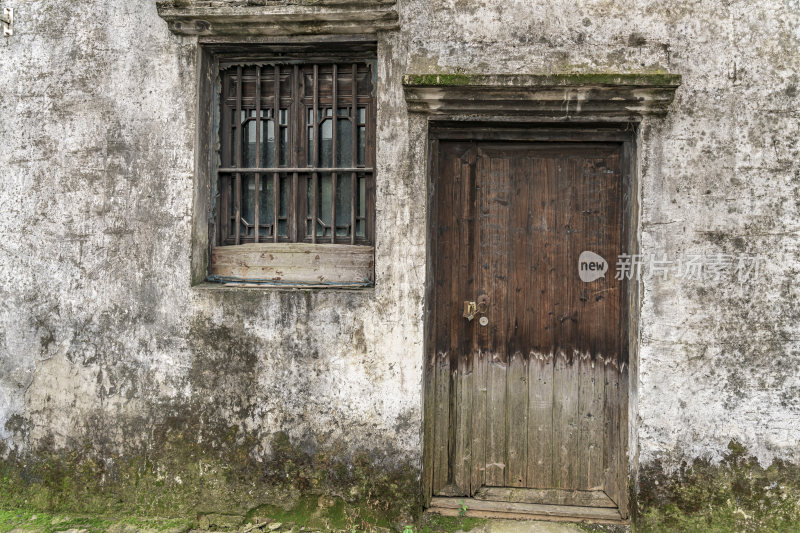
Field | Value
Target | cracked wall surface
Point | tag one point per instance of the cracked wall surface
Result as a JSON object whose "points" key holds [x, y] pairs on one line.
{"points": [[103, 341]]}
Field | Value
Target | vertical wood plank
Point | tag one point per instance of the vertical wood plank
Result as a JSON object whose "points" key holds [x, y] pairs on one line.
{"points": [[520, 314], [441, 421], [592, 419], [517, 421], [597, 424], [496, 422], [453, 271], [540, 421], [463, 445], [447, 324], [541, 293], [433, 294], [494, 222], [622, 431], [479, 415], [464, 288], [429, 414], [627, 302], [612, 439], [565, 421]]}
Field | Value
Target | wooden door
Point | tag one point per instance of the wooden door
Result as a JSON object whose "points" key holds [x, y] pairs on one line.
{"points": [[532, 400]]}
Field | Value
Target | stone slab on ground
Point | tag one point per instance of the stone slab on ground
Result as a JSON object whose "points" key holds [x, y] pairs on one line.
{"points": [[526, 526]]}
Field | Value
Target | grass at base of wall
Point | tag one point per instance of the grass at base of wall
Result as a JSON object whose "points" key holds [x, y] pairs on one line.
{"points": [[310, 514], [27, 520]]}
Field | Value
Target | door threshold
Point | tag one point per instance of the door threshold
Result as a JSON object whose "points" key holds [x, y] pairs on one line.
{"points": [[524, 511]]}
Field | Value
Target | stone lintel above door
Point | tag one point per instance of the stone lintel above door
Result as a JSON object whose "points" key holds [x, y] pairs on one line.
{"points": [[259, 18], [568, 96]]}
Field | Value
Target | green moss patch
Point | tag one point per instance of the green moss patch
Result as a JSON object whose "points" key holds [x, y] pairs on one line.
{"points": [[736, 495], [26, 520], [219, 486], [433, 523], [566, 79], [309, 514]]}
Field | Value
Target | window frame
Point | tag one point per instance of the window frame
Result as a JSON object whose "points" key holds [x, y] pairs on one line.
{"points": [[338, 256]]}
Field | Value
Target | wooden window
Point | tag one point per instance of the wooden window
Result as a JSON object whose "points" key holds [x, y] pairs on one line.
{"points": [[297, 154], [296, 159]]}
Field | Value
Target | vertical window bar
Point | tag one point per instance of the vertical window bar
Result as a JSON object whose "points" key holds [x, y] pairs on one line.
{"points": [[314, 184], [276, 181], [276, 115], [353, 178], [257, 177], [238, 183], [314, 215], [334, 149], [294, 211], [334, 113], [333, 207], [369, 223], [276, 187], [217, 239], [226, 216]]}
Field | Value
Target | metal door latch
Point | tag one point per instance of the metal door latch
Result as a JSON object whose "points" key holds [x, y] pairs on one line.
{"points": [[470, 310], [7, 21], [475, 308]]}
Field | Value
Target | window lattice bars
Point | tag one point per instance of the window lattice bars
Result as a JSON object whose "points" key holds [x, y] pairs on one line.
{"points": [[297, 154]]}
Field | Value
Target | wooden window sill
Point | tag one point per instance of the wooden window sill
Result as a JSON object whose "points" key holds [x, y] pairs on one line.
{"points": [[214, 286], [293, 266]]}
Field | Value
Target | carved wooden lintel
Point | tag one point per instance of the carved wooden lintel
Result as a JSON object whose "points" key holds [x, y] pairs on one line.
{"points": [[242, 18], [616, 96]]}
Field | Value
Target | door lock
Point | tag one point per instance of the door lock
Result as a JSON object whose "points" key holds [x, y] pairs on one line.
{"points": [[471, 309]]}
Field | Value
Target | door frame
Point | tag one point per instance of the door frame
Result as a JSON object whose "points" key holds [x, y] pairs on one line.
{"points": [[627, 134]]}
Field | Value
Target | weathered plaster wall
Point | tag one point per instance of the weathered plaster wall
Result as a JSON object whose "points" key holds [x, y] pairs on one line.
{"points": [[104, 344]]}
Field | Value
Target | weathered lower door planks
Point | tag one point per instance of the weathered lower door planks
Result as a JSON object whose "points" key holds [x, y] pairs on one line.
{"points": [[533, 399]]}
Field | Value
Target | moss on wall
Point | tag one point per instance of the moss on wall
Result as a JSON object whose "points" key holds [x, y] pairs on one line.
{"points": [[736, 495], [182, 478], [567, 79]]}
